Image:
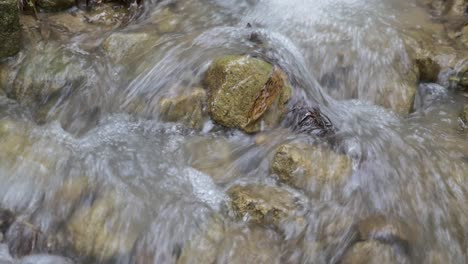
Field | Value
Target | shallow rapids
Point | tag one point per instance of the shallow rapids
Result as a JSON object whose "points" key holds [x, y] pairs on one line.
{"points": [[97, 156]]}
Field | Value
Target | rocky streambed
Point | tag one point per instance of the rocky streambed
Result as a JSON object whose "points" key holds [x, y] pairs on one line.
{"points": [[213, 131]]}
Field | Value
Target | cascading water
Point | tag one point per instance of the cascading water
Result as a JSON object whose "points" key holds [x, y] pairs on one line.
{"points": [[99, 158]]}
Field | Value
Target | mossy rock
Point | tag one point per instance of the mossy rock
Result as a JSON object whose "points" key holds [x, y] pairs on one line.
{"points": [[10, 30], [188, 109], [263, 204], [310, 167], [246, 93]]}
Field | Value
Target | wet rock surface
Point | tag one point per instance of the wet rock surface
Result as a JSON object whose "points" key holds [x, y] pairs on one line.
{"points": [[245, 244], [54, 5], [59, 73], [213, 156], [96, 223], [246, 93], [10, 33], [310, 167], [263, 204], [127, 47], [387, 231], [188, 109], [372, 252]]}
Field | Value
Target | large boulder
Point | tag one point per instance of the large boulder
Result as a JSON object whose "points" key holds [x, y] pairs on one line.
{"points": [[10, 30], [310, 167], [263, 204], [246, 93]]}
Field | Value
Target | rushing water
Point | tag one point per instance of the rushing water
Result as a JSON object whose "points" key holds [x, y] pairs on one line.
{"points": [[414, 168]]}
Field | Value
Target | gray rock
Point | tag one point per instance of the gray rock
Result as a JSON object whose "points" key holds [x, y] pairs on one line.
{"points": [[428, 94], [10, 30]]}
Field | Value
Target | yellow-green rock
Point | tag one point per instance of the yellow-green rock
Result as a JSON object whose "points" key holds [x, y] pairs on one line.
{"points": [[187, 109], [246, 93], [95, 232], [263, 204], [306, 167]]}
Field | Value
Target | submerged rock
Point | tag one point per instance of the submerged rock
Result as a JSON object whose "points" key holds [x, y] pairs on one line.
{"points": [[94, 232], [10, 30], [53, 72], [45, 259], [310, 166], [246, 93], [212, 156], [428, 95], [187, 109], [127, 47], [387, 231], [6, 219], [166, 21], [54, 5], [263, 204], [398, 94], [464, 115], [230, 244], [372, 252]]}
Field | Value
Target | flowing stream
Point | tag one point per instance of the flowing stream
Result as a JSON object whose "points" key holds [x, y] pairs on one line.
{"points": [[105, 142]]}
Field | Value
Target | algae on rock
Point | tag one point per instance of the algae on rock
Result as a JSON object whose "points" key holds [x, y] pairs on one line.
{"points": [[10, 30], [246, 93]]}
